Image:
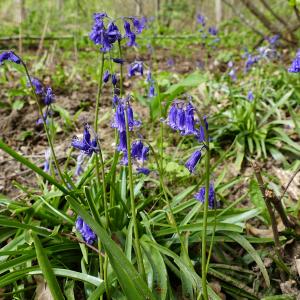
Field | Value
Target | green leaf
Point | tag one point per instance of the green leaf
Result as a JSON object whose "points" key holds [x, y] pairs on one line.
{"points": [[47, 270], [248, 247], [257, 199], [18, 104], [130, 280]]}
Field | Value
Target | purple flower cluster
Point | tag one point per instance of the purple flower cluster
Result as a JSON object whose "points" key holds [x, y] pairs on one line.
{"points": [[200, 196], [87, 233], [295, 66], [139, 152], [106, 36], [181, 117], [86, 145]]}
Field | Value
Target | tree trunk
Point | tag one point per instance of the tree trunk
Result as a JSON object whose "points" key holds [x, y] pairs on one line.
{"points": [[219, 11]]}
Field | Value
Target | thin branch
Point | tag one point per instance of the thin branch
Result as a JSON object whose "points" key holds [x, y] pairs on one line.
{"points": [[289, 183], [274, 14]]}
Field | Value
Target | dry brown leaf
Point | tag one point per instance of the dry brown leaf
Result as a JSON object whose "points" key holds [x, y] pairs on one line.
{"points": [[298, 265], [266, 233], [42, 291]]}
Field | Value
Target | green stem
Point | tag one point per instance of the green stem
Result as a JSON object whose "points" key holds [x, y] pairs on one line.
{"points": [[99, 93], [103, 268], [45, 125], [121, 69], [132, 203], [205, 214]]}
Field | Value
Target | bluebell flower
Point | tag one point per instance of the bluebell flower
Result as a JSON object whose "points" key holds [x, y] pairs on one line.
{"points": [[98, 31], [86, 145], [136, 149], [10, 56], [100, 16], [250, 96], [149, 78], [144, 154], [131, 121], [200, 196], [251, 60], [47, 160], [273, 39], [49, 96], [134, 68], [143, 170], [213, 31], [118, 61], [124, 160], [180, 119], [139, 24], [129, 34], [114, 79], [151, 92], [295, 66], [170, 62], [119, 118], [102, 36], [115, 100], [232, 74], [79, 162], [189, 120], [47, 113], [139, 151], [113, 33], [87, 233], [172, 117], [193, 161], [230, 64], [201, 20], [39, 89], [106, 76], [122, 142]]}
